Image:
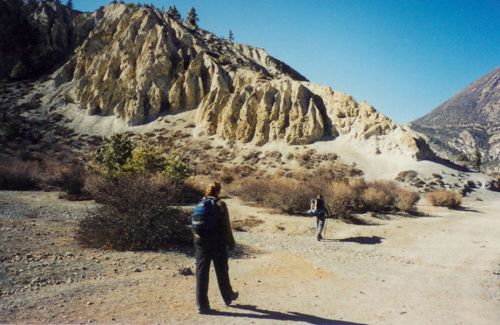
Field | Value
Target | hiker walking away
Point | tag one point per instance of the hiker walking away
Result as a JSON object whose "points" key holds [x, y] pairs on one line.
{"points": [[212, 238], [318, 208]]}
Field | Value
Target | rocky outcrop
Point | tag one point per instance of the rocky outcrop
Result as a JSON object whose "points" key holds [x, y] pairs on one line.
{"points": [[38, 36], [138, 63], [468, 121]]}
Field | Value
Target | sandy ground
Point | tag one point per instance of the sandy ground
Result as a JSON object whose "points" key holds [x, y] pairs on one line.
{"points": [[440, 269]]}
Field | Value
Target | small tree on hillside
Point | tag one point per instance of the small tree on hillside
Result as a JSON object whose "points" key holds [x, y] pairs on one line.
{"points": [[476, 160], [174, 13], [230, 36], [192, 17], [462, 157], [69, 4]]}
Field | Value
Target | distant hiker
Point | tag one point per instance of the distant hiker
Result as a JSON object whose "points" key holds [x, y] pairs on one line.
{"points": [[318, 208], [212, 238]]}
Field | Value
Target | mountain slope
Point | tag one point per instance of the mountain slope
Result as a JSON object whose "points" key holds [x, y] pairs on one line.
{"points": [[468, 121], [38, 36], [138, 64]]}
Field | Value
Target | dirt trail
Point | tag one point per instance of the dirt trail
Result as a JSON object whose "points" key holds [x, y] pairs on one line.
{"points": [[441, 269]]}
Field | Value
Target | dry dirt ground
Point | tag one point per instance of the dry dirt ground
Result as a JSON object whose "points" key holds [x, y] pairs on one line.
{"points": [[443, 268]]}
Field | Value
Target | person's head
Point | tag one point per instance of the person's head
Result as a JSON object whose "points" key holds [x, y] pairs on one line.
{"points": [[319, 196], [213, 189]]}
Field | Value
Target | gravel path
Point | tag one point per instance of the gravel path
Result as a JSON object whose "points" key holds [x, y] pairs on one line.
{"points": [[443, 269], [35, 204]]}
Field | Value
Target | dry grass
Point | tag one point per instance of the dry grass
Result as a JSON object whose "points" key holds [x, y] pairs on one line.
{"points": [[340, 198], [444, 198], [344, 196], [246, 224], [380, 196], [19, 175], [287, 195], [45, 173], [406, 200]]}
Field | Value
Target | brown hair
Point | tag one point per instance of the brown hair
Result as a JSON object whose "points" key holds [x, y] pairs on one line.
{"points": [[213, 189]]}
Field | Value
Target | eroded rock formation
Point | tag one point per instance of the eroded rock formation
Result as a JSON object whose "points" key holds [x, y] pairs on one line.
{"points": [[138, 63]]}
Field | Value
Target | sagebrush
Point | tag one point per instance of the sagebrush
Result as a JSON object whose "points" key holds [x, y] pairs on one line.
{"points": [[444, 198], [138, 213]]}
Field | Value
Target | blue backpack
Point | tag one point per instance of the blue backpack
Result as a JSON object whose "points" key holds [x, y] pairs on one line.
{"points": [[204, 217]]}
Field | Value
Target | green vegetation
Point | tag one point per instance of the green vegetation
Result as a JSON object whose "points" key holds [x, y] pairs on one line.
{"points": [[192, 17], [139, 187], [476, 160], [174, 13], [120, 155]]}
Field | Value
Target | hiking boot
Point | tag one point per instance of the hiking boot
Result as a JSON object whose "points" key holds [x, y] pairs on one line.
{"points": [[232, 297], [319, 237], [205, 310]]}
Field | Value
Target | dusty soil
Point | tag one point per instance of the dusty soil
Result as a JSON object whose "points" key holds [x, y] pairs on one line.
{"points": [[443, 268]]}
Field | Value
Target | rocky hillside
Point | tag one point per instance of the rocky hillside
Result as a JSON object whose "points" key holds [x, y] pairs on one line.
{"points": [[38, 36], [468, 121], [138, 63]]}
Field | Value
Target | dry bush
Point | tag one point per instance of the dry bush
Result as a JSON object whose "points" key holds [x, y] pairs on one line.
{"points": [[340, 198], [68, 177], [380, 196], [228, 174], [287, 195], [137, 213], [406, 200], [249, 189], [19, 175], [444, 198]]}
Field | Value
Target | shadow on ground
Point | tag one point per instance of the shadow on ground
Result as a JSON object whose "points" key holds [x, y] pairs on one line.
{"points": [[466, 209], [259, 313], [362, 240]]}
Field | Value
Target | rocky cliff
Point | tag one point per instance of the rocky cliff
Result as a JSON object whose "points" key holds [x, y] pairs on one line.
{"points": [[138, 63], [38, 36], [468, 121]]}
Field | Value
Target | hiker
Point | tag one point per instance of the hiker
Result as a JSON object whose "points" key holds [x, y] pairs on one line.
{"points": [[212, 238], [318, 208]]}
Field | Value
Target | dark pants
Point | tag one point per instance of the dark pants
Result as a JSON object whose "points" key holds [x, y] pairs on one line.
{"points": [[320, 222], [205, 253]]}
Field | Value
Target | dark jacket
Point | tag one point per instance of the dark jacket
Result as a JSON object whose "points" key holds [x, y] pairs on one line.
{"points": [[224, 234]]}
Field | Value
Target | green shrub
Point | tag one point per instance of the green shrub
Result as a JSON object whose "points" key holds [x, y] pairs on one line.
{"points": [[120, 155], [145, 158], [175, 168], [114, 153]]}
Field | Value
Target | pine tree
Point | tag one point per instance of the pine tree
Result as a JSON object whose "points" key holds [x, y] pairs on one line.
{"points": [[69, 4], [192, 17], [476, 160], [174, 13], [462, 157], [230, 36]]}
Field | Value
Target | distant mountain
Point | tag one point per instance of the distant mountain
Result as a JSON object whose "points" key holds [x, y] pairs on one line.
{"points": [[468, 121]]}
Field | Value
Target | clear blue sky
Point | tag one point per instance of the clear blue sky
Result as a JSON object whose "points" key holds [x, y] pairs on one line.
{"points": [[404, 57]]}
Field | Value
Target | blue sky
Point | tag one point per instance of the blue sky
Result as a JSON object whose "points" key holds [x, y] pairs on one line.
{"points": [[405, 57]]}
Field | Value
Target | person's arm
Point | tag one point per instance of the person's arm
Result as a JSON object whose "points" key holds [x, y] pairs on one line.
{"points": [[228, 233]]}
